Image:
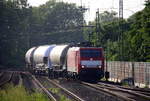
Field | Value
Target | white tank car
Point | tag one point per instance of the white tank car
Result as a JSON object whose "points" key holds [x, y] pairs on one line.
{"points": [[40, 57], [29, 56], [58, 57]]}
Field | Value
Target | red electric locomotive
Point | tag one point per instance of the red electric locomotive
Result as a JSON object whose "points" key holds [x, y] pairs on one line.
{"points": [[85, 62]]}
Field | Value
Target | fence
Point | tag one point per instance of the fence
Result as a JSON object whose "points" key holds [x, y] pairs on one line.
{"points": [[133, 73]]}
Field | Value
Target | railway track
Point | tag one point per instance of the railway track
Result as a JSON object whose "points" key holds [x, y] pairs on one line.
{"points": [[84, 92], [12, 77], [20, 80], [5, 78], [46, 91], [124, 94], [68, 94], [74, 96], [144, 91], [114, 91], [15, 80]]}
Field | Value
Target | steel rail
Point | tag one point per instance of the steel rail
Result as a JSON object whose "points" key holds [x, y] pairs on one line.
{"points": [[122, 87], [7, 80], [107, 91], [20, 79], [66, 91], [44, 89], [130, 91], [138, 90]]}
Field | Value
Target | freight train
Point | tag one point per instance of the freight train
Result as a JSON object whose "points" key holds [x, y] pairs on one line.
{"points": [[66, 61]]}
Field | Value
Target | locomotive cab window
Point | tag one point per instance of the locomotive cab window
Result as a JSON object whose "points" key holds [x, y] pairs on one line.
{"points": [[90, 53]]}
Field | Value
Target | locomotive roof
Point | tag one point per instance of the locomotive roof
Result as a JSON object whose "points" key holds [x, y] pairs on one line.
{"points": [[77, 48]]}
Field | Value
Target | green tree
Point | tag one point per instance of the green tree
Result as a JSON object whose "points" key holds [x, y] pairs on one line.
{"points": [[139, 35], [13, 16], [55, 22]]}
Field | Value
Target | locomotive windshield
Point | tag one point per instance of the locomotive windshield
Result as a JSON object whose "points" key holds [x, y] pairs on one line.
{"points": [[90, 53]]}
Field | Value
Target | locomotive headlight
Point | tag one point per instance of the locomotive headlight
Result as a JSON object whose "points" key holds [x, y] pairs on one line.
{"points": [[99, 66], [82, 66]]}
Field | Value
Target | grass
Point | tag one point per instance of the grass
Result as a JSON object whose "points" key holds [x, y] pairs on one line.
{"points": [[146, 85], [126, 84], [54, 90], [18, 93], [63, 98], [103, 79], [57, 91]]}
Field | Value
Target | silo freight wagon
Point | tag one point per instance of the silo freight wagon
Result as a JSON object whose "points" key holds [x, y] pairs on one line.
{"points": [[40, 58]]}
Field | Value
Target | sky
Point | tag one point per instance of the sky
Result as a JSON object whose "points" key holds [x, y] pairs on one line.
{"points": [[130, 6]]}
